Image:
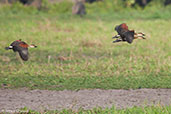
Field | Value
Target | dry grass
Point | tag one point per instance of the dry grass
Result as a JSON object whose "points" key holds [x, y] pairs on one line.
{"points": [[91, 43], [76, 55]]}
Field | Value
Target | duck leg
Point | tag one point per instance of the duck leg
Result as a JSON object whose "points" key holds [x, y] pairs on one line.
{"points": [[139, 35], [116, 36], [118, 40]]}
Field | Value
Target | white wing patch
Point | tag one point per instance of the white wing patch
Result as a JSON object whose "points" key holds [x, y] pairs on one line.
{"points": [[10, 47]]}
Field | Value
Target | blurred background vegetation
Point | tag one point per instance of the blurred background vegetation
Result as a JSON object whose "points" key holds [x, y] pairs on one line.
{"points": [[128, 8]]}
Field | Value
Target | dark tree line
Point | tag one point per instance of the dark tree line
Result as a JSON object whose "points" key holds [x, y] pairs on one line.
{"points": [[79, 8], [167, 2], [37, 3], [141, 3]]}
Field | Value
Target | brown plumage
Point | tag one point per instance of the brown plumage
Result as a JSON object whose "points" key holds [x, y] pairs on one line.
{"points": [[21, 47], [124, 34]]}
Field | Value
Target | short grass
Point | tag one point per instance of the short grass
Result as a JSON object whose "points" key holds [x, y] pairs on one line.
{"points": [[78, 53], [135, 110]]}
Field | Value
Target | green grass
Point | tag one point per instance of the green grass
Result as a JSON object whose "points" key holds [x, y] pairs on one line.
{"points": [[135, 110], [82, 53]]}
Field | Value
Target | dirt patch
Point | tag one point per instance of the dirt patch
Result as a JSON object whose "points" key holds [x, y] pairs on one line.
{"points": [[91, 43], [87, 99]]}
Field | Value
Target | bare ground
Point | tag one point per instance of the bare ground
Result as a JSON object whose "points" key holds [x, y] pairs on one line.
{"points": [[87, 99]]}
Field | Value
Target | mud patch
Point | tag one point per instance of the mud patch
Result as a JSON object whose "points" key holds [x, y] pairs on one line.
{"points": [[87, 99]]}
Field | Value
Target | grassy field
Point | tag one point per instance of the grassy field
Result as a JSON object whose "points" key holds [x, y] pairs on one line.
{"points": [[135, 110], [78, 53]]}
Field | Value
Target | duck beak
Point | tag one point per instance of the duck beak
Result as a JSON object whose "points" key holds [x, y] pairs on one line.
{"points": [[9, 47]]}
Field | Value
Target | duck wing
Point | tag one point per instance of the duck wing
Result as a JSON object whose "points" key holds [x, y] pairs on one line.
{"points": [[129, 36], [24, 54]]}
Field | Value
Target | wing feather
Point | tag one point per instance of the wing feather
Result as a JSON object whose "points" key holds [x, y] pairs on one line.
{"points": [[129, 36], [24, 54]]}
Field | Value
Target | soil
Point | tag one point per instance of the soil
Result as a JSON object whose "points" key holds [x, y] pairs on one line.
{"points": [[41, 100]]}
